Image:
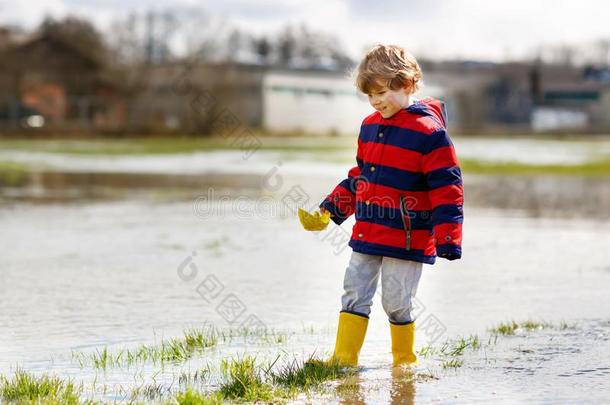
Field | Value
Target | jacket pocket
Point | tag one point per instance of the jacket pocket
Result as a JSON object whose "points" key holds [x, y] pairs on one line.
{"points": [[406, 221]]}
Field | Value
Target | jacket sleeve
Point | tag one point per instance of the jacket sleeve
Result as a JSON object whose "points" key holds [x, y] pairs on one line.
{"points": [[444, 179], [341, 202]]}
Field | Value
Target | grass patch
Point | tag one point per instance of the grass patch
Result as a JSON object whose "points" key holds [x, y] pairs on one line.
{"points": [[457, 347], [509, 328], [173, 145], [198, 377], [310, 374], [25, 387], [244, 380], [263, 335], [192, 397], [427, 351], [13, 174], [505, 328], [530, 325], [172, 350], [453, 363], [597, 168], [176, 350], [451, 348]]}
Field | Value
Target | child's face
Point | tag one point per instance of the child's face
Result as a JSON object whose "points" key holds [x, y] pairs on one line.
{"points": [[387, 101]]}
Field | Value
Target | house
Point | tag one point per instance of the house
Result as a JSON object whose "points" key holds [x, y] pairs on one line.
{"points": [[63, 86]]}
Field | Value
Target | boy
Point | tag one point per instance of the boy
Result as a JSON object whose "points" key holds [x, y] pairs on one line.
{"points": [[407, 196]]}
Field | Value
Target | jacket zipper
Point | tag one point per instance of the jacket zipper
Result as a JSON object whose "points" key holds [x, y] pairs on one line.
{"points": [[406, 221]]}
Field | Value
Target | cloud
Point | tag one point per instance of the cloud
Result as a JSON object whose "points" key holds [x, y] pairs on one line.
{"points": [[435, 28], [29, 13]]}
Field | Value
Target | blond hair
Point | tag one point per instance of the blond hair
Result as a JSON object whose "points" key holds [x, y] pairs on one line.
{"points": [[388, 65]]}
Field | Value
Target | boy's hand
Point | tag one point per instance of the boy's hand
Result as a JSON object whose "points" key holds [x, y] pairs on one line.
{"points": [[449, 256], [449, 251]]}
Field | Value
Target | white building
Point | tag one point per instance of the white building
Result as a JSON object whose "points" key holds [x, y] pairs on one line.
{"points": [[316, 102]]}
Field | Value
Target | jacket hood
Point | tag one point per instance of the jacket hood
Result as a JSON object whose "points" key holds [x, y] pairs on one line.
{"points": [[430, 107]]}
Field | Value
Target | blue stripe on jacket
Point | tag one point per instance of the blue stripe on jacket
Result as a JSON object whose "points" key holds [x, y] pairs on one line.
{"points": [[391, 251], [350, 184], [393, 177], [448, 213], [337, 216], [405, 138], [395, 136], [392, 217], [444, 177]]}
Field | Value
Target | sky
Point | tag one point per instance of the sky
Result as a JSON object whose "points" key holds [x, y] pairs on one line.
{"points": [[449, 29]]}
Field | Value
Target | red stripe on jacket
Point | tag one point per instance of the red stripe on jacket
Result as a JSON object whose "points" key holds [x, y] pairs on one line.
{"points": [[393, 156], [439, 158], [390, 197], [384, 235]]}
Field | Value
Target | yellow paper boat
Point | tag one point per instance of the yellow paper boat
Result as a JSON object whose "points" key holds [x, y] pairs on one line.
{"points": [[315, 221]]}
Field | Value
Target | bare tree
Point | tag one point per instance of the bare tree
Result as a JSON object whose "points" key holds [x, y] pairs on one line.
{"points": [[79, 33], [286, 46], [603, 50], [263, 49]]}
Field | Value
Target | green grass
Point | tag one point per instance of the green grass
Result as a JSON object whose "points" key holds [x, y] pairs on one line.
{"points": [[197, 377], [240, 379], [245, 380], [597, 168], [25, 387], [451, 348], [505, 328], [13, 174], [530, 325], [510, 327], [177, 350], [457, 347], [310, 374], [449, 352], [264, 335], [172, 145], [170, 350], [427, 351], [192, 397], [454, 363]]}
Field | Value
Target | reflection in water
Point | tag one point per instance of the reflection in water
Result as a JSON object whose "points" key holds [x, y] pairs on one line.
{"points": [[353, 389], [402, 390], [349, 390], [55, 186]]}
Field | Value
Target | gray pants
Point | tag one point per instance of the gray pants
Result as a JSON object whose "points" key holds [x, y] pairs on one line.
{"points": [[399, 280]]}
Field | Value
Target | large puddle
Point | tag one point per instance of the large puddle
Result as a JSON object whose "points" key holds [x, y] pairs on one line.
{"points": [[83, 276], [93, 253]]}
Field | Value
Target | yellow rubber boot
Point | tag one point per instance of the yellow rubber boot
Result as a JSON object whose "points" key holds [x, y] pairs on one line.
{"points": [[403, 343], [350, 336]]}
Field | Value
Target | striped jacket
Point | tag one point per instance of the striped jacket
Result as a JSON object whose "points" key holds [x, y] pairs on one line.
{"points": [[406, 190]]}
